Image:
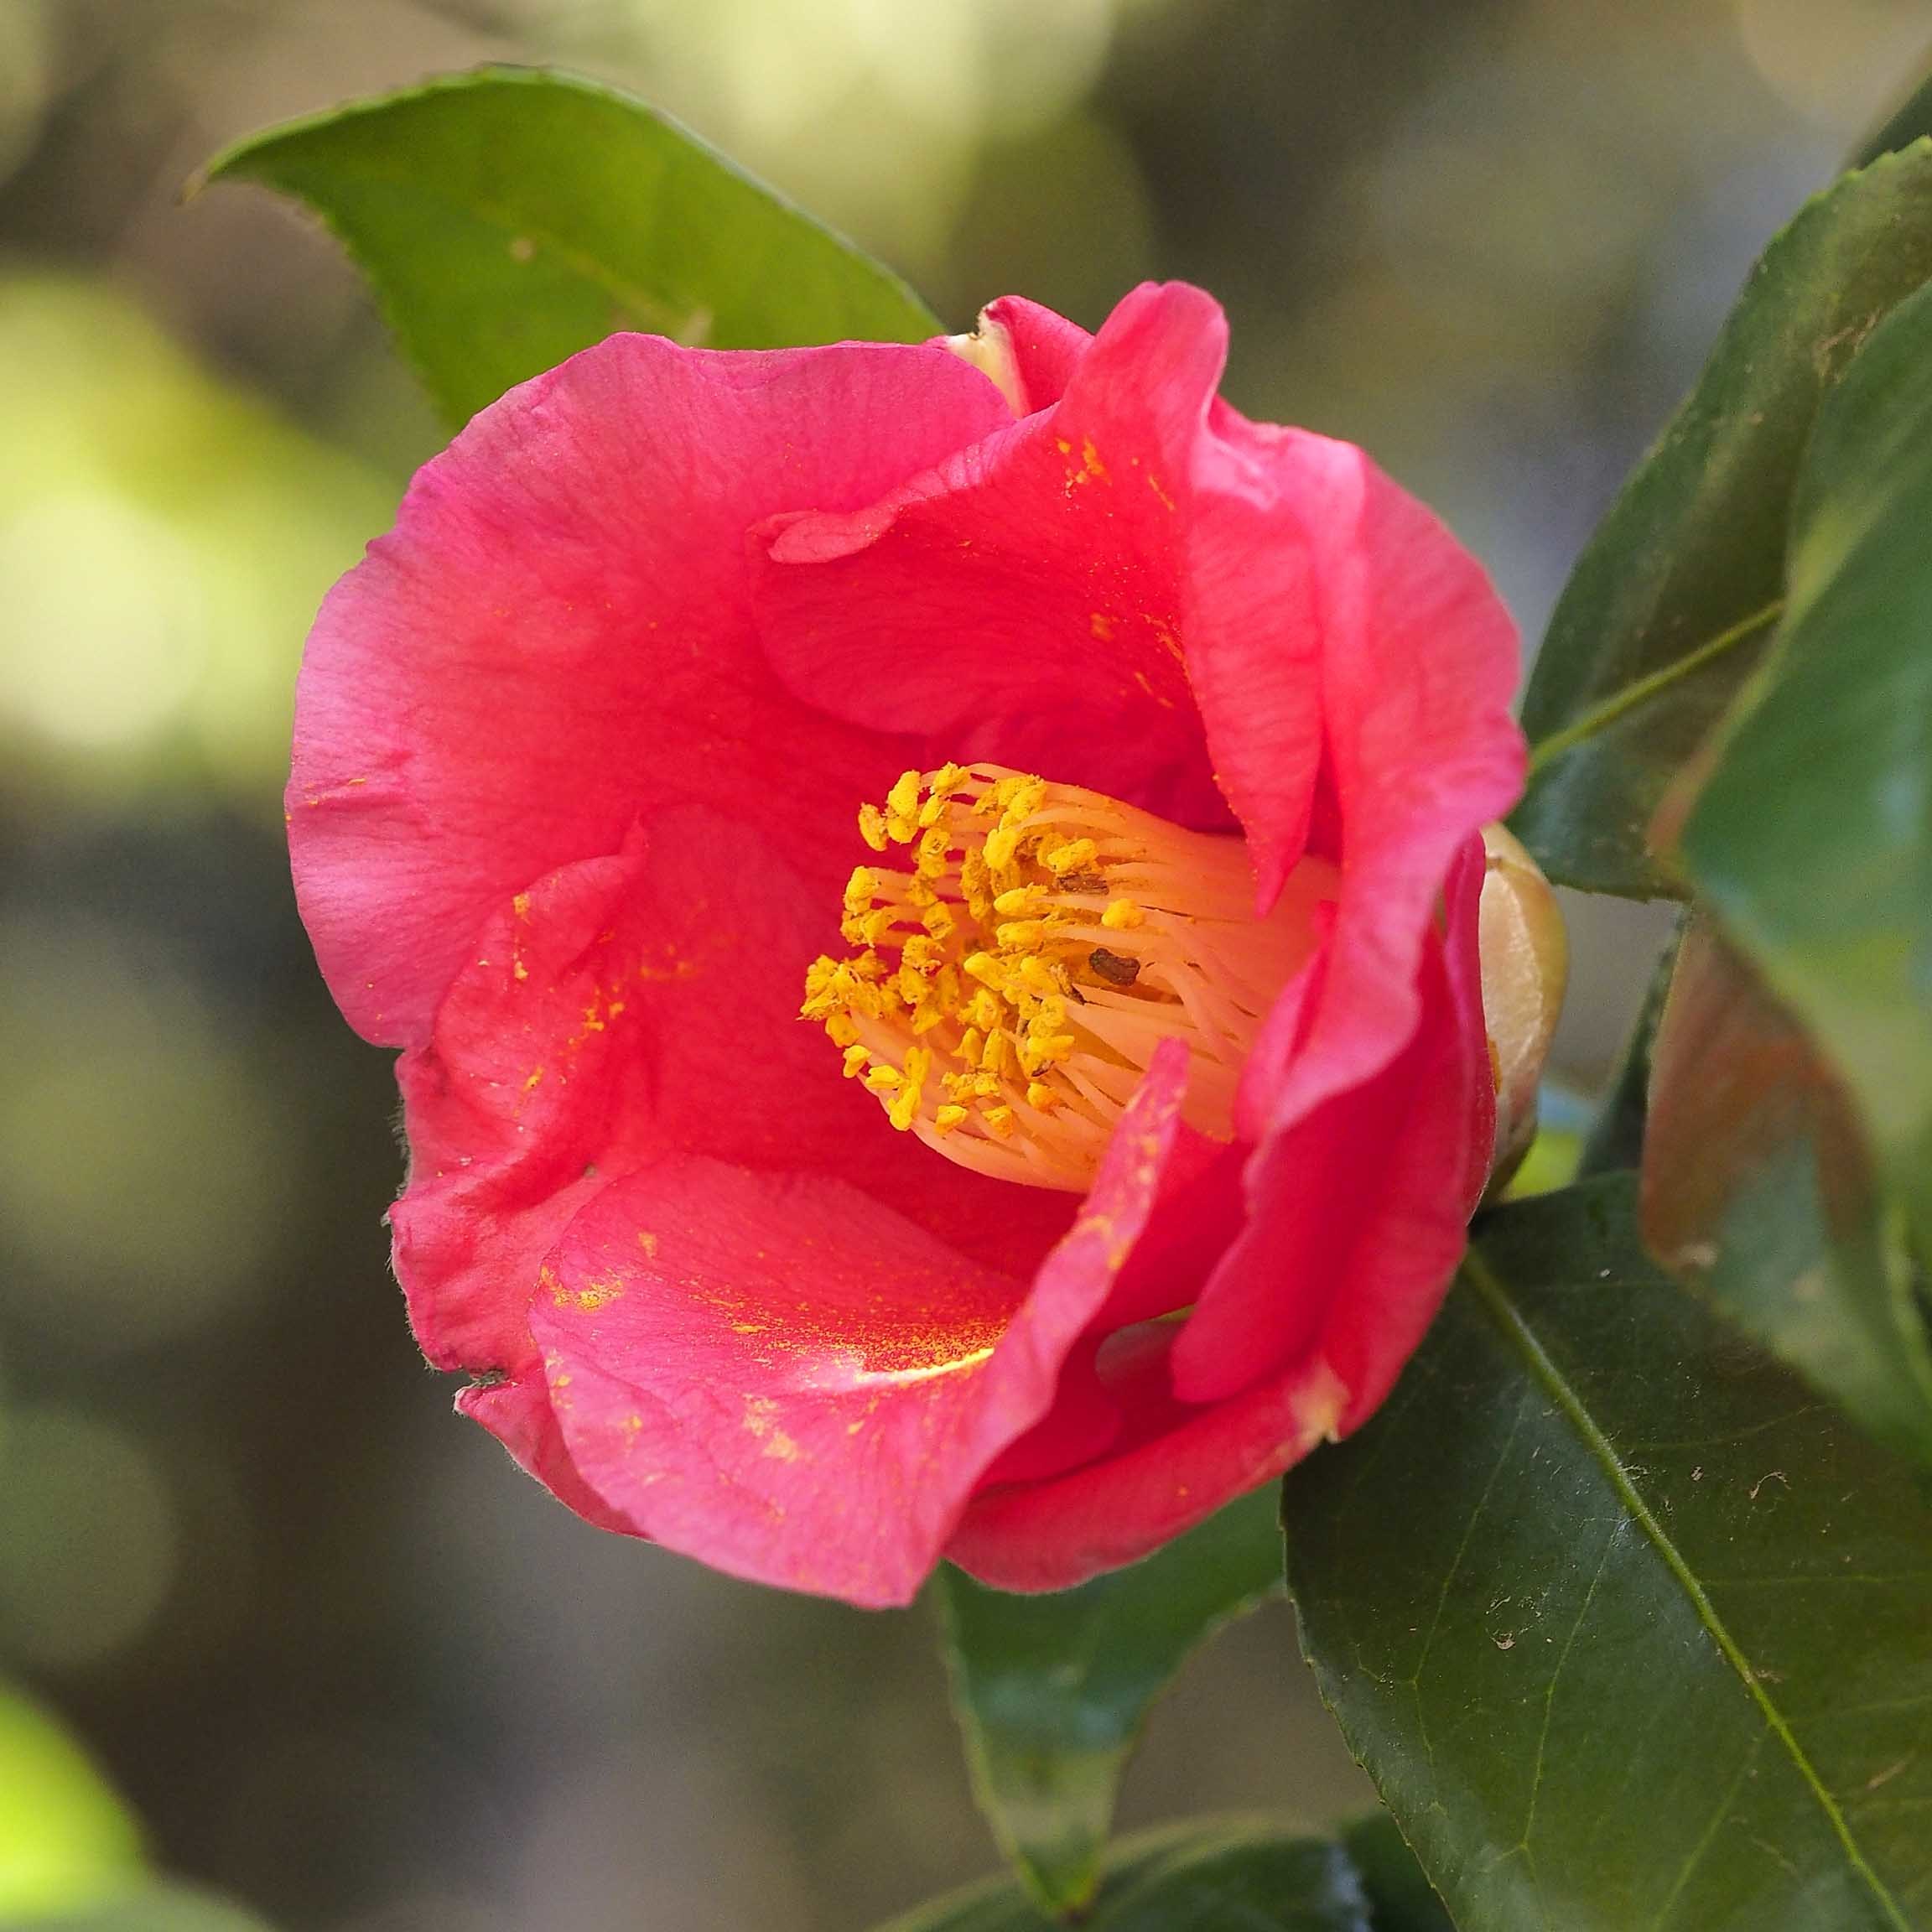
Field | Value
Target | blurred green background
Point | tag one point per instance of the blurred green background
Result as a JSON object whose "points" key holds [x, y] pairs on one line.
{"points": [[339, 1657]]}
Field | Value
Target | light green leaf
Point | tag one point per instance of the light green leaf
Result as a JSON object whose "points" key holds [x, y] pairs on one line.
{"points": [[510, 217], [1671, 602], [1051, 1690], [1237, 1876], [1630, 1631]]}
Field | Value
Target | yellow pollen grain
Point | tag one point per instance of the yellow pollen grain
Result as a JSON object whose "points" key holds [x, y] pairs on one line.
{"points": [[1041, 1096], [1122, 915], [872, 826], [1001, 844], [884, 1079], [1076, 855], [1001, 1121], [950, 1117], [856, 1061]]}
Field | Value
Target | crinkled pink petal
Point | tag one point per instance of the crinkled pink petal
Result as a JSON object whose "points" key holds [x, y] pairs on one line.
{"points": [[1355, 1219], [1418, 661], [775, 1375], [1046, 347], [1355, 1225], [602, 1023], [554, 642], [1022, 603], [1053, 1535]]}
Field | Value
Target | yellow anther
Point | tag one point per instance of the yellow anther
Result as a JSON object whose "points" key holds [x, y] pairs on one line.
{"points": [[1021, 935], [1002, 1121], [1076, 855], [1041, 1096], [985, 969], [946, 780], [972, 1044], [872, 826], [1122, 915], [929, 1015], [841, 1030], [1022, 902], [856, 1058], [923, 953], [1028, 796], [884, 1079], [905, 1103], [902, 801], [1041, 975], [935, 848], [1001, 844], [938, 921], [861, 889], [949, 1117], [910, 985], [986, 1009], [874, 927]]}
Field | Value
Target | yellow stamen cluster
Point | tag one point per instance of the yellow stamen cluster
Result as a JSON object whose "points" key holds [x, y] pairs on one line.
{"points": [[1014, 971]]}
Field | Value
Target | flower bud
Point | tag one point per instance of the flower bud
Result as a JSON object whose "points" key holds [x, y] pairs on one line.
{"points": [[990, 350], [1525, 955]]}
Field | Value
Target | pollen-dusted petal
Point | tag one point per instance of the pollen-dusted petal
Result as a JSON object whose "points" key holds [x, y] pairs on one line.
{"points": [[877, 1376]]}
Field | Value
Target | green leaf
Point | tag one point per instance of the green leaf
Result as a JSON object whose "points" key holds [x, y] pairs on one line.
{"points": [[1629, 1630], [1671, 602], [1237, 1875], [1616, 1137], [1051, 1690], [1757, 1189], [510, 217], [1812, 837], [1908, 123], [1400, 1898]]}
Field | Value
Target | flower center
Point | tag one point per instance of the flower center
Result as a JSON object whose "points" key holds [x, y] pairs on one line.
{"points": [[1010, 984]]}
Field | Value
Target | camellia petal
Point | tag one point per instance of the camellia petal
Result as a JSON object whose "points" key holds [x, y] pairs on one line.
{"points": [[774, 1374], [554, 642]]}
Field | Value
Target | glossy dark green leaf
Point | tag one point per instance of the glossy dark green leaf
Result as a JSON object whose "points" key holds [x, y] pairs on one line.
{"points": [[1812, 837], [511, 217], [1630, 1629], [1051, 1690], [1759, 1191], [1671, 603], [1239, 1875], [1615, 1140]]}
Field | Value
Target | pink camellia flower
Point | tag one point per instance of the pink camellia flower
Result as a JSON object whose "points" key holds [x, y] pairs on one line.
{"points": [[1101, 772]]}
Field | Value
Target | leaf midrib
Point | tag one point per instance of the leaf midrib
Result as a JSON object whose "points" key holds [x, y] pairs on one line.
{"points": [[1502, 1310], [1640, 691]]}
